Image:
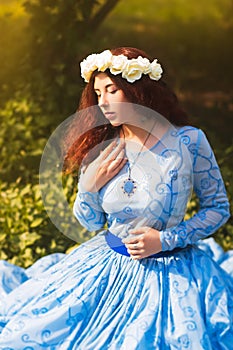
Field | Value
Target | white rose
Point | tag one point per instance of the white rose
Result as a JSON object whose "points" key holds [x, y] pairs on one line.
{"points": [[133, 71], [104, 60], [145, 64], [118, 64], [88, 66], [156, 70], [85, 72]]}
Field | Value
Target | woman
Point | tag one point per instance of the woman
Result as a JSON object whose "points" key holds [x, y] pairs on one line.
{"points": [[142, 282]]}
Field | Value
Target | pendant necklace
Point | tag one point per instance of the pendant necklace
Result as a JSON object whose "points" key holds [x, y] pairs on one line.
{"points": [[129, 185]]}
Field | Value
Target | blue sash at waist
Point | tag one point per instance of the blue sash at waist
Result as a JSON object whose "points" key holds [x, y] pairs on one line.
{"points": [[116, 244]]}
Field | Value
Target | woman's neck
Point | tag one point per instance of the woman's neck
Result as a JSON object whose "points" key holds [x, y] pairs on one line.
{"points": [[147, 134], [139, 133]]}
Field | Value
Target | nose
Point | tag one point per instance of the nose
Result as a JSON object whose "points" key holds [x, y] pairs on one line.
{"points": [[103, 101]]}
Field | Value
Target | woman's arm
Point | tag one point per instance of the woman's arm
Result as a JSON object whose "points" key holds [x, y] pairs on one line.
{"points": [[214, 205], [88, 210]]}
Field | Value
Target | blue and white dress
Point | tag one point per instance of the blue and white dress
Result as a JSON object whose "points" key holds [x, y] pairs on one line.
{"points": [[97, 297]]}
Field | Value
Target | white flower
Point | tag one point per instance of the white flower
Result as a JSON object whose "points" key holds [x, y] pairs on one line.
{"points": [[133, 70], [118, 64], [156, 70], [144, 63], [88, 66], [104, 60]]}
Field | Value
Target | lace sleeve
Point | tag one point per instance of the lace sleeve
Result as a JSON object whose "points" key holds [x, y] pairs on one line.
{"points": [[214, 206]]}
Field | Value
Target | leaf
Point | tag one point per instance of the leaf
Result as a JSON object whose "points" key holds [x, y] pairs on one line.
{"points": [[3, 237], [9, 221], [3, 256], [26, 190], [36, 222], [31, 238]]}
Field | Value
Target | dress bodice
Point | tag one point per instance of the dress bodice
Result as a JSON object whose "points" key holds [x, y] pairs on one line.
{"points": [[164, 178]]}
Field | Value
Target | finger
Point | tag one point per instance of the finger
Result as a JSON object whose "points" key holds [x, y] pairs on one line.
{"points": [[105, 153], [117, 166], [129, 241], [134, 246], [119, 161], [133, 251], [116, 152], [109, 173], [140, 230], [137, 254], [132, 239], [136, 257], [138, 250], [113, 149]]}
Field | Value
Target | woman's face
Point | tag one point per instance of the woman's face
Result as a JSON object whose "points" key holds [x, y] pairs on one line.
{"points": [[111, 100]]}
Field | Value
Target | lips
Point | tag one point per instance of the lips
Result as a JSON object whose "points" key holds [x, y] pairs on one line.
{"points": [[109, 115]]}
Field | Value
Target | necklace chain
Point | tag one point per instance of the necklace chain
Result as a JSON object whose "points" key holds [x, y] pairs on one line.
{"points": [[140, 151], [129, 185]]}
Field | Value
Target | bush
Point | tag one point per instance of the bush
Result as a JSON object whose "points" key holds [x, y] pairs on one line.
{"points": [[26, 232], [224, 236], [22, 138]]}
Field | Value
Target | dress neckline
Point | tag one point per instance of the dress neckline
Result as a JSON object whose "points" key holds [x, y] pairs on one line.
{"points": [[157, 143]]}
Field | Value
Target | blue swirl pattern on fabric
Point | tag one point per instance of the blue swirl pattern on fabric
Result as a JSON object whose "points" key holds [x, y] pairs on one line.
{"points": [[97, 298]]}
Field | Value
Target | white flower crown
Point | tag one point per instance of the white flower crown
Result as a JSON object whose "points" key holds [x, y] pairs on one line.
{"points": [[130, 69]]}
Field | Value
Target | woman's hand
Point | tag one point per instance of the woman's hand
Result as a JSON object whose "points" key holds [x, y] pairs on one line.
{"points": [[145, 243], [104, 167]]}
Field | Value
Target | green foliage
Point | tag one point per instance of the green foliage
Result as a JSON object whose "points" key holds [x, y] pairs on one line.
{"points": [[224, 236], [22, 138], [14, 48], [191, 40], [26, 233], [60, 34]]}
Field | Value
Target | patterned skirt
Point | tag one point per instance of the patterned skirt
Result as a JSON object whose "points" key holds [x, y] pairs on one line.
{"points": [[97, 298]]}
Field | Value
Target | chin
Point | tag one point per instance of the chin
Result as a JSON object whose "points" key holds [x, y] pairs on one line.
{"points": [[115, 123]]}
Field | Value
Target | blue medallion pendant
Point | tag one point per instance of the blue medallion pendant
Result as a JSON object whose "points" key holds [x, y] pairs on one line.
{"points": [[129, 187]]}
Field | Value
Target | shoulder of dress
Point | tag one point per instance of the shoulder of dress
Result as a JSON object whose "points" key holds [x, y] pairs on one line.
{"points": [[192, 132], [187, 129]]}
